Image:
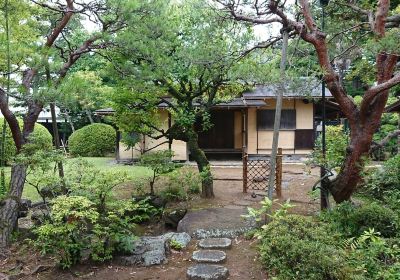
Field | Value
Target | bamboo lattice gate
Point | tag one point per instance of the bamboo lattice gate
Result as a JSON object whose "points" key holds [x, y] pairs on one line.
{"points": [[256, 172]]}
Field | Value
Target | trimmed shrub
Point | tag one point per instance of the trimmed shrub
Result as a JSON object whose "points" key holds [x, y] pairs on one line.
{"points": [[40, 138], [297, 247], [352, 221], [94, 140]]}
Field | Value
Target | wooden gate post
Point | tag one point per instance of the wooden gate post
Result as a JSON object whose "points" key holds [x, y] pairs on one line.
{"points": [[244, 158], [278, 174]]}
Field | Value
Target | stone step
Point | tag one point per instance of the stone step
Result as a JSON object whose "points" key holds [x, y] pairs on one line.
{"points": [[209, 256], [215, 243], [207, 272]]}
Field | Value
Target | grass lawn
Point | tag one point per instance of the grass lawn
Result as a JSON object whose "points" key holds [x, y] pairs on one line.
{"points": [[102, 163]]}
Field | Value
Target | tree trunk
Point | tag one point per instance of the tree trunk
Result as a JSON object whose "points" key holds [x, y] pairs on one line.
{"points": [[57, 145], [278, 110], [69, 120], [349, 176], [89, 115], [9, 207], [203, 165]]}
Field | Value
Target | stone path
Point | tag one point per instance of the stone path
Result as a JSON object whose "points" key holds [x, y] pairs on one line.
{"points": [[209, 259], [216, 222]]}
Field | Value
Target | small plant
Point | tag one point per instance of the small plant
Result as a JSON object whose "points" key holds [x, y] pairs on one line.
{"points": [[130, 139], [175, 245], [187, 179], [42, 171], [336, 143], [160, 162], [174, 193], [265, 210], [180, 183]]}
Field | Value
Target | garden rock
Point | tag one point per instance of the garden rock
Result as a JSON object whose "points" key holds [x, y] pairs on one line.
{"points": [[180, 237], [209, 256], [172, 217], [24, 208], [50, 191], [153, 250], [153, 200], [215, 243], [39, 216], [207, 272], [147, 251], [216, 222]]}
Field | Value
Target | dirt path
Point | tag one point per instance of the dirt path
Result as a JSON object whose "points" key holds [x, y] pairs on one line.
{"points": [[242, 259]]}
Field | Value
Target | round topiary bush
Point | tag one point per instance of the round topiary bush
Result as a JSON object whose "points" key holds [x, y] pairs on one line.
{"points": [[95, 140], [40, 137]]}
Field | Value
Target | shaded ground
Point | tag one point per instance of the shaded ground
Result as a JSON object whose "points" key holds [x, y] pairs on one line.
{"points": [[242, 263], [242, 258]]}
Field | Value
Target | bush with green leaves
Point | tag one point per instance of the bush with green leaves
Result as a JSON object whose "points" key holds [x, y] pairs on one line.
{"points": [[94, 140], [297, 247], [181, 183], [90, 220], [41, 139], [160, 162], [383, 181], [373, 257], [352, 221], [336, 143]]}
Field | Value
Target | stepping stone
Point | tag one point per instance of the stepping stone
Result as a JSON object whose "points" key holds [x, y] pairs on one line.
{"points": [[207, 272], [215, 243], [209, 256]]}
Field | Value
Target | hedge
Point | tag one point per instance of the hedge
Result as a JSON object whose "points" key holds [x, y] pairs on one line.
{"points": [[94, 140]]}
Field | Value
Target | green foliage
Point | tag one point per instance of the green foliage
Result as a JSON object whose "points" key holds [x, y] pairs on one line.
{"points": [[265, 209], [336, 143], [160, 162], [43, 174], [383, 181], [92, 140], [181, 183], [372, 256], [174, 193], [187, 53], [346, 243], [389, 123], [40, 139], [108, 228], [130, 139], [351, 220], [90, 220], [83, 90], [297, 247], [175, 245]]}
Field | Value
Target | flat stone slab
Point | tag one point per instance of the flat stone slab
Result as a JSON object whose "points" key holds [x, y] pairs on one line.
{"points": [[216, 222], [153, 250], [209, 256], [207, 272], [215, 243]]}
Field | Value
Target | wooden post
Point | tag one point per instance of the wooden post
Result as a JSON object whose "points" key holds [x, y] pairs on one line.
{"points": [[278, 187], [244, 158], [117, 140]]}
